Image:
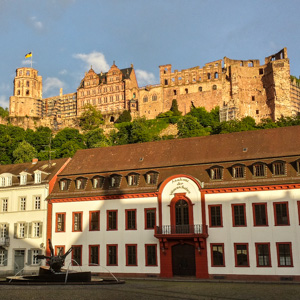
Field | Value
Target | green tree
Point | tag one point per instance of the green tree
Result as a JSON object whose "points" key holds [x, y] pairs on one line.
{"points": [[24, 153], [174, 108], [91, 118], [96, 138], [4, 112], [188, 126], [125, 116], [69, 148]]}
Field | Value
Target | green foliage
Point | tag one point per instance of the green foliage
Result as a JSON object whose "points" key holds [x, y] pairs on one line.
{"points": [[4, 112], [188, 126], [91, 118], [96, 138], [296, 79], [245, 124], [124, 117], [174, 108], [24, 153], [266, 124]]}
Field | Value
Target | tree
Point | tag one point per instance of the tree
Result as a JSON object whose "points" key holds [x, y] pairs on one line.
{"points": [[96, 138], [4, 112], [188, 126], [125, 116], [24, 153], [174, 108], [91, 118]]}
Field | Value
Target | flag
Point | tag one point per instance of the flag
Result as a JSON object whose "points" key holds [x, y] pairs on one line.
{"points": [[28, 55]]}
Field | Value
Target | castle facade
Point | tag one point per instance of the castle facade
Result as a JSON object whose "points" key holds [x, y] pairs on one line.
{"points": [[239, 87]]}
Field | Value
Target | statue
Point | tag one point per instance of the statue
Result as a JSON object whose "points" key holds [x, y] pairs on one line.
{"points": [[55, 262]]}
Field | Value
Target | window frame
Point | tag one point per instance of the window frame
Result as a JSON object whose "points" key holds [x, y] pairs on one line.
{"points": [[73, 255], [133, 179], [90, 255], [235, 174], [108, 220], [130, 224], [74, 214], [254, 214], [276, 223], [233, 205], [146, 210], [269, 265], [146, 255], [279, 165], [108, 255], [216, 175], [236, 258], [210, 206], [90, 220], [212, 257], [57, 247], [63, 222], [151, 177], [290, 252], [128, 264], [258, 164]]}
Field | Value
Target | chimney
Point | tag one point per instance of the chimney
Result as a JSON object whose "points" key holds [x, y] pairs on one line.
{"points": [[35, 160]]}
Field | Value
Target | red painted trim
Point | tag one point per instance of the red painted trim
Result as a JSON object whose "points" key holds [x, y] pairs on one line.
{"points": [[177, 197], [145, 217], [90, 220], [278, 256], [126, 219], [221, 215], [73, 221], [59, 246], [107, 219], [107, 254], [233, 215], [251, 188], [146, 254], [275, 213], [107, 197], [73, 251], [136, 258], [269, 253], [56, 222], [235, 255], [49, 226], [211, 254], [90, 255], [254, 216]]}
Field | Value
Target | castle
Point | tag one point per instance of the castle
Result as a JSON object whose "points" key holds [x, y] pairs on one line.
{"points": [[239, 87]]}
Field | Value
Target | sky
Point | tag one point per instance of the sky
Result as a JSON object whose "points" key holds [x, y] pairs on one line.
{"points": [[67, 37]]}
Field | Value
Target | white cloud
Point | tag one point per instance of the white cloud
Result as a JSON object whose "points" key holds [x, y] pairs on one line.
{"points": [[52, 85], [38, 25], [4, 102], [95, 59], [144, 77], [63, 72]]}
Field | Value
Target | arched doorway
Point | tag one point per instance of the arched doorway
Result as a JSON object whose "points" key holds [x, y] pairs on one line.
{"points": [[183, 260]]}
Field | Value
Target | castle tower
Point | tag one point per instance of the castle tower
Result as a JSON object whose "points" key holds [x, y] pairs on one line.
{"points": [[27, 97]]}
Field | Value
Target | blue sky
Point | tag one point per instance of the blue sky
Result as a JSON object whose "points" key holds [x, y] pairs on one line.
{"points": [[66, 37]]}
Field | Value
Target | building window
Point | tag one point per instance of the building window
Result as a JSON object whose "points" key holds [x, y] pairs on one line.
{"points": [[37, 202], [214, 87], [77, 221], [4, 204], [281, 213], [208, 75], [200, 88], [60, 222], [186, 91], [20, 230], [259, 170], [151, 178], [94, 254], [2, 181], [145, 99], [154, 97], [239, 215], [263, 258], [37, 229], [23, 203], [77, 255], [284, 254], [238, 171], [260, 216], [64, 184], [278, 168], [80, 183], [112, 220], [216, 75], [94, 220], [130, 219], [4, 232], [3, 257], [112, 255], [133, 179], [216, 173], [241, 255], [59, 250], [215, 215], [151, 255], [23, 179], [131, 255], [217, 255], [150, 218], [97, 182], [38, 177], [115, 181]]}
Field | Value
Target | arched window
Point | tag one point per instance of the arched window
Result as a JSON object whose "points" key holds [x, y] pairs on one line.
{"points": [[216, 75], [145, 99], [208, 75], [154, 97]]}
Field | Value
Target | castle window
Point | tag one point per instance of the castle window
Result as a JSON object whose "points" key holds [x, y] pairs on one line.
{"points": [[145, 99], [111, 98], [27, 83], [250, 64], [200, 88], [174, 92], [216, 75], [154, 97], [216, 173], [28, 73], [27, 92], [214, 87], [18, 92], [261, 71], [20, 73], [166, 81], [257, 111], [99, 100], [253, 98], [208, 75], [186, 91]]}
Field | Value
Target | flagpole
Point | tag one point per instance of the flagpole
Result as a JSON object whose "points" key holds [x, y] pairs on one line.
{"points": [[31, 60]]}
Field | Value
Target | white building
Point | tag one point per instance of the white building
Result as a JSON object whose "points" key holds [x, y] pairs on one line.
{"points": [[224, 206], [23, 213]]}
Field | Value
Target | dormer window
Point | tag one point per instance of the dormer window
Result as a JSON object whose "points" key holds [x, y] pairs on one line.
{"points": [[23, 179], [115, 180], [278, 168], [151, 177], [97, 182], [238, 171], [64, 184], [259, 170], [216, 173], [2, 182], [37, 177], [5, 181], [133, 179], [80, 183]]}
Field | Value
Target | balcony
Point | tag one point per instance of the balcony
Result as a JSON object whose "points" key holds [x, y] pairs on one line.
{"points": [[182, 231], [4, 241]]}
